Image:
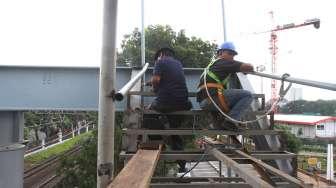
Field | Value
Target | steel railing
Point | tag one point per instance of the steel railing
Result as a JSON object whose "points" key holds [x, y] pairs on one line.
{"points": [[287, 78]]}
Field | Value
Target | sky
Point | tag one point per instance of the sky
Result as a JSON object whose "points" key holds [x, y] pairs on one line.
{"points": [[69, 33]]}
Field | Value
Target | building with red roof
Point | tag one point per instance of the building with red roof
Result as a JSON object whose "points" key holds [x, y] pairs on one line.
{"points": [[307, 126]]}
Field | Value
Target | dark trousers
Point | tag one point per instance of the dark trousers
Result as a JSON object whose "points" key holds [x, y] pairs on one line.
{"points": [[169, 121]]}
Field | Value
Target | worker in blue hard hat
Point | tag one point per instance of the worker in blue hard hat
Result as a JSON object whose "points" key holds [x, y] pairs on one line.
{"points": [[232, 101], [227, 46]]}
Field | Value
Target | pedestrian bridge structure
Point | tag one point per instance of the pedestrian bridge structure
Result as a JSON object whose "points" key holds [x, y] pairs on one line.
{"points": [[63, 88], [26, 88], [76, 89]]}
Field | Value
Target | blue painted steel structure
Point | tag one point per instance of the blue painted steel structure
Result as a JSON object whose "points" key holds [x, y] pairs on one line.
{"points": [[25, 88], [73, 88], [63, 88]]}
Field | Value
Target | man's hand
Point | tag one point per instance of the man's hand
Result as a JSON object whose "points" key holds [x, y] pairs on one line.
{"points": [[155, 80], [246, 67]]}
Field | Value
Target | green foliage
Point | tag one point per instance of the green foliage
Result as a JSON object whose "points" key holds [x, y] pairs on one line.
{"points": [[319, 107], [53, 151], [193, 52], [314, 148], [51, 122], [321, 143], [80, 170], [291, 142]]}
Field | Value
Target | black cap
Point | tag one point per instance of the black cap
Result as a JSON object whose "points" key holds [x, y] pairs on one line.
{"points": [[164, 50]]}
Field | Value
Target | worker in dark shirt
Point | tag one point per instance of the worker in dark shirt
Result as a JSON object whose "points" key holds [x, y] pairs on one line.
{"points": [[169, 84], [231, 101]]}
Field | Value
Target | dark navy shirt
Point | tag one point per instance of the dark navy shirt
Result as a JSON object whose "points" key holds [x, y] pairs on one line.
{"points": [[172, 89]]}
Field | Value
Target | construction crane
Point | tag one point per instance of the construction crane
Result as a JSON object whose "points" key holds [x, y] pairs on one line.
{"points": [[274, 49]]}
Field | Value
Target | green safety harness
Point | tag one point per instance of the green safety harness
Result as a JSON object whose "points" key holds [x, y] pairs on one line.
{"points": [[220, 85]]}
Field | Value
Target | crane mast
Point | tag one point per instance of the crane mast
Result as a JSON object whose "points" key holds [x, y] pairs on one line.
{"points": [[274, 48]]}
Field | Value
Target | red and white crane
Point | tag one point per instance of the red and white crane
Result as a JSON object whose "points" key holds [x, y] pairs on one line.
{"points": [[274, 49]]}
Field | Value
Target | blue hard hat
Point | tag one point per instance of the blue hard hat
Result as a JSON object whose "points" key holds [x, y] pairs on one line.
{"points": [[228, 46]]}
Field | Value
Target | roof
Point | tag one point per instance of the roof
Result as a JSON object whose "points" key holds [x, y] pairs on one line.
{"points": [[302, 119]]}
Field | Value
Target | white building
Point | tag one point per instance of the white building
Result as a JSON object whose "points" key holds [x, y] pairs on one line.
{"points": [[305, 126]]}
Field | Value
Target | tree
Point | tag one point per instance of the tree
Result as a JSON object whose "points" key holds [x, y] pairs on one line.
{"points": [[80, 170], [319, 107], [289, 140], [193, 52]]}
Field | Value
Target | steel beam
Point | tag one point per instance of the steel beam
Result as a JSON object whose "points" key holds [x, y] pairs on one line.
{"points": [[191, 112], [190, 94], [176, 156], [65, 88], [274, 155], [195, 156], [198, 132], [187, 112], [249, 178], [197, 179], [274, 171], [200, 185]]}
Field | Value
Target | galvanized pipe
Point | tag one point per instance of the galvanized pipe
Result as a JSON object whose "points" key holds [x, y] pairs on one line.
{"points": [[224, 21], [143, 33], [311, 83], [127, 87], [106, 115]]}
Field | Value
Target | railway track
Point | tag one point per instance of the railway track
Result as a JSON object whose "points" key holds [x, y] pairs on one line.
{"points": [[45, 173]]}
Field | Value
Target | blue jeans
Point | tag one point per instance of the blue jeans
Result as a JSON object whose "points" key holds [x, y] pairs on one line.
{"points": [[238, 100]]}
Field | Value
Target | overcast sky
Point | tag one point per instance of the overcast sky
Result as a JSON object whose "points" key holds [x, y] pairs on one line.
{"points": [[68, 32]]}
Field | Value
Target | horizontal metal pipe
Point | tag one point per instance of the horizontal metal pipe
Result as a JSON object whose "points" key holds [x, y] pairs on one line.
{"points": [[124, 90], [311, 83]]}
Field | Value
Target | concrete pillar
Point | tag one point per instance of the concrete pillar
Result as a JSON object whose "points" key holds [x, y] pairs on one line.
{"points": [[330, 163], [11, 160], [18, 127], [11, 151], [105, 153]]}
